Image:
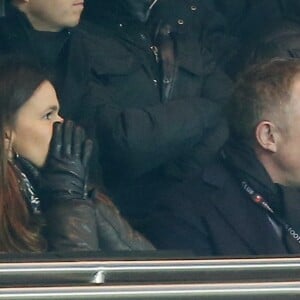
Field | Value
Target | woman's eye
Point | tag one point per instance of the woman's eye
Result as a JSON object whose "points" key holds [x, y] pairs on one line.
{"points": [[49, 115]]}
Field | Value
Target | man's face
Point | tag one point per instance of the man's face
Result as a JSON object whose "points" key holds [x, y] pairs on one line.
{"points": [[53, 15], [287, 156]]}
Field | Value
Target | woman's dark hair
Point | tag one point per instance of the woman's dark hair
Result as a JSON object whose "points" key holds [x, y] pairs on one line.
{"points": [[18, 232]]}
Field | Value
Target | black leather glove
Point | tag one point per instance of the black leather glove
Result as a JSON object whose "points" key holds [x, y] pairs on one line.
{"points": [[64, 176]]}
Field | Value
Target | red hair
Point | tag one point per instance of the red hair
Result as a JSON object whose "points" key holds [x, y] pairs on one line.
{"points": [[19, 230]]}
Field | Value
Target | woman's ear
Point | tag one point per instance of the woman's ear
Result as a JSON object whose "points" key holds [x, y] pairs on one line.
{"points": [[8, 141], [267, 136]]}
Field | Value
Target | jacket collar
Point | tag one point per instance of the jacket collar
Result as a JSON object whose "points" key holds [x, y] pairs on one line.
{"points": [[19, 18], [247, 220]]}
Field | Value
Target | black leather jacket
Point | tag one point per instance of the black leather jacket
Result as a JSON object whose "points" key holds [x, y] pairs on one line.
{"points": [[78, 224], [93, 224]]}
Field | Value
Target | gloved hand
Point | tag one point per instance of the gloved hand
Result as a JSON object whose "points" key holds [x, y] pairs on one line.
{"points": [[64, 176]]}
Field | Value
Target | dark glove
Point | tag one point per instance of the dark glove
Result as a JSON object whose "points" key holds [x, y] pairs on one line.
{"points": [[64, 176]]}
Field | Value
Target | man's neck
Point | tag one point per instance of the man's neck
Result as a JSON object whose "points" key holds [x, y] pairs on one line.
{"points": [[269, 163]]}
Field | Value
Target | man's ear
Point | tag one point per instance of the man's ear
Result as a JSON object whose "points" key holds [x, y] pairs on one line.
{"points": [[267, 136], [19, 3]]}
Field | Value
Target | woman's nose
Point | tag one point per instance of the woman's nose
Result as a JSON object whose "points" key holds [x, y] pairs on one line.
{"points": [[60, 119]]}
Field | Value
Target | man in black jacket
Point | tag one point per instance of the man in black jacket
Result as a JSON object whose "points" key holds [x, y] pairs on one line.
{"points": [[247, 202], [161, 92], [45, 33]]}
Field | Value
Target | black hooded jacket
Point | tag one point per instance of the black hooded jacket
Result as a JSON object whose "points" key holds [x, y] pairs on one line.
{"points": [[160, 114]]}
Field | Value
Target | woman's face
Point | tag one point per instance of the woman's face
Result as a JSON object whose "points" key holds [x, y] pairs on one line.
{"points": [[32, 130]]}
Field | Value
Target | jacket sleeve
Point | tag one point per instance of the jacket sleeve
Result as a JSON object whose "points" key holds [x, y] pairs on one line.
{"points": [[177, 225], [93, 224], [114, 232], [181, 220], [136, 140], [71, 226]]}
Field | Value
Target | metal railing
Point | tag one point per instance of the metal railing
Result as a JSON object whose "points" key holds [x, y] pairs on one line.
{"points": [[224, 291], [263, 278]]}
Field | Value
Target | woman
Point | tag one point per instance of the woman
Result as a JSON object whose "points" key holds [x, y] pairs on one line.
{"points": [[44, 203]]}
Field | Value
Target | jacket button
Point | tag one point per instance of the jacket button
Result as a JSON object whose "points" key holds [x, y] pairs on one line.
{"points": [[166, 81], [193, 7], [155, 81], [180, 21]]}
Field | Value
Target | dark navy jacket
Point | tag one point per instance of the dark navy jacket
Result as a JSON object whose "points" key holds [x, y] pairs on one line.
{"points": [[212, 215]]}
